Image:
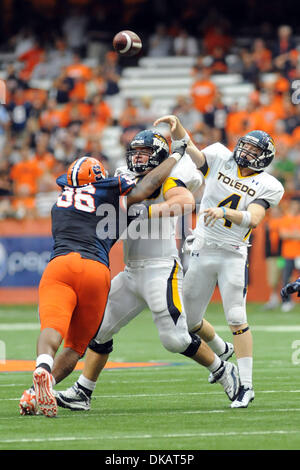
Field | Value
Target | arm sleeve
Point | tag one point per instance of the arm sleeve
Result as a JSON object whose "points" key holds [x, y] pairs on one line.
{"points": [[204, 168], [261, 202]]}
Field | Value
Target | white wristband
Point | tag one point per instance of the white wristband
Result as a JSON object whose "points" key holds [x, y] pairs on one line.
{"points": [[177, 156], [246, 220], [186, 138]]}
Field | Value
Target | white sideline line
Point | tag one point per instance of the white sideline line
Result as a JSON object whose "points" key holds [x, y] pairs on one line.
{"points": [[151, 436], [154, 395], [264, 328], [111, 382], [145, 395], [13, 385], [168, 413], [19, 326], [253, 410], [276, 328]]}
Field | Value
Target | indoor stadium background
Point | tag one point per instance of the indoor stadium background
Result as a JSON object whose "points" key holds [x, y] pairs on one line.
{"points": [[224, 68]]}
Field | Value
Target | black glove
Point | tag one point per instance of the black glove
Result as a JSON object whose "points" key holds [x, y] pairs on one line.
{"points": [[178, 146], [290, 289]]}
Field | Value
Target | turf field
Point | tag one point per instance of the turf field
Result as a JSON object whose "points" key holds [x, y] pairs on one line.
{"points": [[162, 407]]}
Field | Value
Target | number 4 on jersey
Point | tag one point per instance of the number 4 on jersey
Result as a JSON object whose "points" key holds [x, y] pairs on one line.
{"points": [[232, 202]]}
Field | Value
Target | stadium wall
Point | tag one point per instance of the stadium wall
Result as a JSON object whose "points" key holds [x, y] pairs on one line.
{"points": [[25, 248]]}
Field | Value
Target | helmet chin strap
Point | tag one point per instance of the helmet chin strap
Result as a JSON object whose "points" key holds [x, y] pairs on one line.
{"points": [[245, 163], [249, 165], [141, 168]]}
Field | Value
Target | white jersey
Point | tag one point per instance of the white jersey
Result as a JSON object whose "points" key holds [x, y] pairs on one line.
{"points": [[155, 238], [225, 186]]}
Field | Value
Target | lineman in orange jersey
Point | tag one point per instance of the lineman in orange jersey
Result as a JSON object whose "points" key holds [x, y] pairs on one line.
{"points": [[75, 284]]}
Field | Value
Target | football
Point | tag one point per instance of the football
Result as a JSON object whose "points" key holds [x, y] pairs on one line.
{"points": [[127, 43]]}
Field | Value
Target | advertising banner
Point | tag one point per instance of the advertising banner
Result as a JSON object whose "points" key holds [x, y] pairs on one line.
{"points": [[23, 260]]}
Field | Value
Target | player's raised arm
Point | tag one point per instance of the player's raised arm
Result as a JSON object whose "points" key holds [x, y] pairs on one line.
{"points": [[155, 178], [178, 132]]}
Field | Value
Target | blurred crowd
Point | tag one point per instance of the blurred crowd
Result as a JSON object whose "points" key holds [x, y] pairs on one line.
{"points": [[62, 87], [43, 128]]}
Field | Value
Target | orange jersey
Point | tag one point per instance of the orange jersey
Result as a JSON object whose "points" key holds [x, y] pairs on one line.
{"points": [[91, 129], [203, 93], [103, 112], [45, 161], [268, 116], [78, 91], [296, 134], [33, 94], [239, 123], [282, 85], [79, 71], [74, 111], [25, 176], [234, 122], [290, 246], [273, 241], [53, 118], [128, 116]]}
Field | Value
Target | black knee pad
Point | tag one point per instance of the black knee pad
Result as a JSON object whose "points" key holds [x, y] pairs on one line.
{"points": [[193, 347], [105, 348]]}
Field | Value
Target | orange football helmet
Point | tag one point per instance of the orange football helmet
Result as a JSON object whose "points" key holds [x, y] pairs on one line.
{"points": [[85, 170]]}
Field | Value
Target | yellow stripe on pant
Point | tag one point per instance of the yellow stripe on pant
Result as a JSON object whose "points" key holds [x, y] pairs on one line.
{"points": [[173, 297]]}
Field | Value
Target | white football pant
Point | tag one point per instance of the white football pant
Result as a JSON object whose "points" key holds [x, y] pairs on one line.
{"points": [[208, 267], [155, 284]]}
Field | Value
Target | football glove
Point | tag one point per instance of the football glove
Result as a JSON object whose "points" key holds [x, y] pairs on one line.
{"points": [[138, 211], [188, 244], [290, 288], [178, 146]]}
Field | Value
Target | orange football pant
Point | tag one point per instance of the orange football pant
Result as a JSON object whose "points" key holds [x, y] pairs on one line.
{"points": [[73, 293]]}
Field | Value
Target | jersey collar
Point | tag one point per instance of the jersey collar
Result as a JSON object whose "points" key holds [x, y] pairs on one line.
{"points": [[248, 176]]}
